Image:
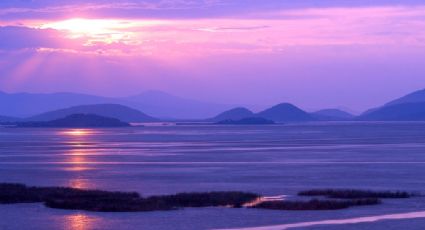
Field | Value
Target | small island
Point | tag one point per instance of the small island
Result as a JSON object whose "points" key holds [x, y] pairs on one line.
{"points": [[247, 121], [76, 121]]}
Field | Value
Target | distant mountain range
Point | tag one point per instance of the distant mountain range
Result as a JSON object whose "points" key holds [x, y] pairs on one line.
{"points": [[155, 103], [8, 119], [283, 112], [415, 97], [120, 112], [397, 112], [407, 108], [129, 109], [410, 107]]}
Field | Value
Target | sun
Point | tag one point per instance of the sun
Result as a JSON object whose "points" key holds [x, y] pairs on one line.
{"points": [[93, 30]]}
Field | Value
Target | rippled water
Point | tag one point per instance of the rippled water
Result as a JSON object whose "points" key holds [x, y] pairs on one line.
{"points": [[272, 160]]}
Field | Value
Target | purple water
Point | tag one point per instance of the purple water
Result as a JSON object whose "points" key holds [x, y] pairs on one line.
{"points": [[271, 160]]}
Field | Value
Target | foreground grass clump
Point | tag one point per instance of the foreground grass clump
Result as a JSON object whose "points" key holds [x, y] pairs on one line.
{"points": [[19, 193], [316, 204], [234, 199], [103, 201], [354, 194]]}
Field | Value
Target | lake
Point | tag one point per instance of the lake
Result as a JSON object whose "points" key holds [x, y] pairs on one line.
{"points": [[271, 160]]}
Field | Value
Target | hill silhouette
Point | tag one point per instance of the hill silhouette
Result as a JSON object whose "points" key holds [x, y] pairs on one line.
{"points": [[29, 104], [233, 114], [77, 121], [415, 97], [120, 112], [397, 112], [8, 119], [154, 103], [285, 112]]}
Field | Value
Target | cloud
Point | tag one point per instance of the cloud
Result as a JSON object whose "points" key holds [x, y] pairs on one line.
{"points": [[197, 37], [223, 29], [18, 37]]}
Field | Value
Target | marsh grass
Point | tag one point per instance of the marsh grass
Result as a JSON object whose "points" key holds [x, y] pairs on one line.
{"points": [[355, 194], [103, 201], [316, 204]]}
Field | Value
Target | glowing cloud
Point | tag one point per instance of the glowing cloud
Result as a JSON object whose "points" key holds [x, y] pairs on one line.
{"points": [[100, 30], [265, 32]]}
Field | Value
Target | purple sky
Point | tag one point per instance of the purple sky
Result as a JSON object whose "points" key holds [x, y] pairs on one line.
{"points": [[355, 54]]}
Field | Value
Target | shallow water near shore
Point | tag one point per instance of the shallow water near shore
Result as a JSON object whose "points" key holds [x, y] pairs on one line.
{"points": [[271, 160]]}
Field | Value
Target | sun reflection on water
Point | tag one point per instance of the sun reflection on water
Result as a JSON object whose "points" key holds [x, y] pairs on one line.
{"points": [[77, 157], [78, 132], [77, 165], [79, 221]]}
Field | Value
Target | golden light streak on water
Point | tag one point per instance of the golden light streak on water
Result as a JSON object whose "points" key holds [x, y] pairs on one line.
{"points": [[79, 221]]}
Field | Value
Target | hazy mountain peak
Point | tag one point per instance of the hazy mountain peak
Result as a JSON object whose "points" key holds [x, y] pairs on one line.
{"points": [[8, 119], [333, 113], [234, 114], [417, 96], [397, 112], [285, 105], [117, 111], [155, 103], [285, 112]]}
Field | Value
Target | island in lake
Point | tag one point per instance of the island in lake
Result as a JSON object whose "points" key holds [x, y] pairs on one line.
{"points": [[77, 121]]}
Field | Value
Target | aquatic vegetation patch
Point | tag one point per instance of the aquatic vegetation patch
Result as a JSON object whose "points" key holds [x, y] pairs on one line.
{"points": [[355, 194], [316, 204], [104, 201]]}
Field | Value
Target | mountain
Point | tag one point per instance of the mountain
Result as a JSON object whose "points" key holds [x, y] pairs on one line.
{"points": [[332, 115], [233, 114], [397, 112], [247, 121], [77, 121], [8, 119], [165, 105], [28, 104], [154, 103], [285, 112], [120, 112], [417, 96]]}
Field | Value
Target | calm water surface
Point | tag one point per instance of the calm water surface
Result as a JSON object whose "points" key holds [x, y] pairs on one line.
{"points": [[271, 160]]}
